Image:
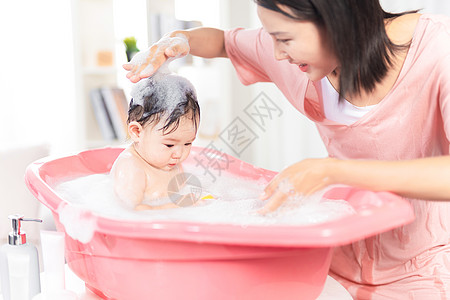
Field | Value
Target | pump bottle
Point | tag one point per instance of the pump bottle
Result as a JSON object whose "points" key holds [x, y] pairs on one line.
{"points": [[19, 264]]}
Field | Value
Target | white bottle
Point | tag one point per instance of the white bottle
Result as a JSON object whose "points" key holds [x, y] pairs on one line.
{"points": [[19, 264], [52, 247]]}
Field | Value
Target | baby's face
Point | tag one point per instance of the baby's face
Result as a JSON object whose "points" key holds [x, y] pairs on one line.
{"points": [[165, 151]]}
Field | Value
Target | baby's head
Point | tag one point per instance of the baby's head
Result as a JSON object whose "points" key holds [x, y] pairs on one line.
{"points": [[163, 118]]}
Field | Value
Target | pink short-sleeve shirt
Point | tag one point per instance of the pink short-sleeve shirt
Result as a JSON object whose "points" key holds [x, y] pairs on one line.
{"points": [[412, 121]]}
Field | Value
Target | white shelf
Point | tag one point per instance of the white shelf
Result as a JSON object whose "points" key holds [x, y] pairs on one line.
{"points": [[95, 31]]}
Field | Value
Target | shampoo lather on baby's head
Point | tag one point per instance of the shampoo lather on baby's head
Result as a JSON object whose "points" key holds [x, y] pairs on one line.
{"points": [[163, 118]]}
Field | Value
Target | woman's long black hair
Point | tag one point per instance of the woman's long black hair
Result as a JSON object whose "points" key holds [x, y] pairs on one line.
{"points": [[356, 31]]}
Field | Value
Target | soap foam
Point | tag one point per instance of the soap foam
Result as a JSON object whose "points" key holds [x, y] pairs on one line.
{"points": [[78, 222], [236, 202], [167, 88]]}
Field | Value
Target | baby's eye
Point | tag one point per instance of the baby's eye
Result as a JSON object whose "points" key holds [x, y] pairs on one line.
{"points": [[169, 146], [283, 41], [188, 144]]}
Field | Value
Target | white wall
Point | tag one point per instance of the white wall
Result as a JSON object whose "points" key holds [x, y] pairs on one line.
{"points": [[36, 73], [428, 6], [37, 103]]}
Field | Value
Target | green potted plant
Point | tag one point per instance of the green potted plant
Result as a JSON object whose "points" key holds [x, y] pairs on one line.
{"points": [[131, 48]]}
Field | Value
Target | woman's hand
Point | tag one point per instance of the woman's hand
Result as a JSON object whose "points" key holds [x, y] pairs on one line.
{"points": [[145, 63], [303, 178]]}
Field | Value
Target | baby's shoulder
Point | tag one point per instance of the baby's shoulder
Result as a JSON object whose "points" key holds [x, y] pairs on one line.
{"points": [[126, 162]]}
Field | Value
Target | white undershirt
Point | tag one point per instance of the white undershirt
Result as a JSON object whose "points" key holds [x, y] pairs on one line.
{"points": [[342, 112]]}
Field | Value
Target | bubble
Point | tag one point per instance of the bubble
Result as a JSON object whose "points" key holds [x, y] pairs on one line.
{"points": [[167, 89], [236, 201]]}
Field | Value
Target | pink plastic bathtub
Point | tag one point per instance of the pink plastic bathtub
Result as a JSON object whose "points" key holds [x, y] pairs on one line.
{"points": [[168, 260]]}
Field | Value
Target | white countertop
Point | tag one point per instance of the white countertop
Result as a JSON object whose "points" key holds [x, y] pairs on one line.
{"points": [[332, 290]]}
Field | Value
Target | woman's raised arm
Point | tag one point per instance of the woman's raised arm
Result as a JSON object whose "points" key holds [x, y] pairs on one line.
{"points": [[203, 41]]}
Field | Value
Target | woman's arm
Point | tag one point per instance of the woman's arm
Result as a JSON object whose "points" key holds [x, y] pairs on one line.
{"points": [[206, 42], [425, 178]]}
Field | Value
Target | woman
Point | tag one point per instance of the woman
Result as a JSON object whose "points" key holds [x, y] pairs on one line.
{"points": [[377, 85]]}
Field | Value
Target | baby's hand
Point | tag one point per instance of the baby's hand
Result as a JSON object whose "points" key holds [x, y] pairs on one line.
{"points": [[145, 63], [156, 207]]}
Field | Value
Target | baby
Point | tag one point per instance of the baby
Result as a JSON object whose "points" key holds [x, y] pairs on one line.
{"points": [[162, 123]]}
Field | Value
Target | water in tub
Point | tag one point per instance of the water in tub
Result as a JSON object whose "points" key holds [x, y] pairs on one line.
{"points": [[236, 201]]}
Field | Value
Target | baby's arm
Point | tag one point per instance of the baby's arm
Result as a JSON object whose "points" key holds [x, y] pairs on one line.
{"points": [[130, 183], [162, 206]]}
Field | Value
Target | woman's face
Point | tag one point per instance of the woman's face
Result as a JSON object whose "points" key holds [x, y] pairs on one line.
{"points": [[300, 42]]}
